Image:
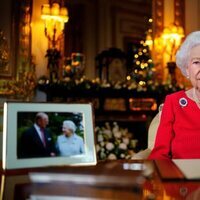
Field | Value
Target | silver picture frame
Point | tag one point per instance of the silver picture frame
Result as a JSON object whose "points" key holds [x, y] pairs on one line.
{"points": [[15, 112]]}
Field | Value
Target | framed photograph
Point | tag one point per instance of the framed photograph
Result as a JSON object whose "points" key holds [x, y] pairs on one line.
{"points": [[47, 134]]}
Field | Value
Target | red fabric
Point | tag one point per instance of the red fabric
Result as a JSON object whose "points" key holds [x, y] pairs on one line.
{"points": [[178, 135], [43, 136]]}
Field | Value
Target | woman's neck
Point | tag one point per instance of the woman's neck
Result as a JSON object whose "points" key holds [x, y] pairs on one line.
{"points": [[196, 95]]}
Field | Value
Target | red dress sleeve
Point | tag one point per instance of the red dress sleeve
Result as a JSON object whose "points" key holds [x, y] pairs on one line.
{"points": [[162, 147]]}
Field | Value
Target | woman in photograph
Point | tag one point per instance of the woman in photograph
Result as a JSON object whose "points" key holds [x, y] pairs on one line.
{"points": [[178, 135], [69, 143]]}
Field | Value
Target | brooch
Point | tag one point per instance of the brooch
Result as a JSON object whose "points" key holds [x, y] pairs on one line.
{"points": [[183, 102]]}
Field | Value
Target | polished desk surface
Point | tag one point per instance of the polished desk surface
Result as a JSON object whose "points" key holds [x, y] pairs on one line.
{"points": [[121, 179]]}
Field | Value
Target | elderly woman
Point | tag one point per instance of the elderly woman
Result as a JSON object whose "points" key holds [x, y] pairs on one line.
{"points": [[178, 135], [69, 143]]}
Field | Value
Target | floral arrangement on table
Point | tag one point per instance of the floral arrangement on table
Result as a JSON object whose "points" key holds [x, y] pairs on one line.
{"points": [[114, 142]]}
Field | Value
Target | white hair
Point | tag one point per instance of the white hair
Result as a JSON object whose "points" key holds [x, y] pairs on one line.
{"points": [[70, 125], [41, 115], [182, 55]]}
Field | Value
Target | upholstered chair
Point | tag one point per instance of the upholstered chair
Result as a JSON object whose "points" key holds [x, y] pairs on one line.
{"points": [[143, 154]]}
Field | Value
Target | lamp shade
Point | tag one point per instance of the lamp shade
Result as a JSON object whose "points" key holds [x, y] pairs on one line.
{"points": [[63, 11], [54, 18], [55, 9], [45, 9]]}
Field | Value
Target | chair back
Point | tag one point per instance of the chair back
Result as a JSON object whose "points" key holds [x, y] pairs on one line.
{"points": [[153, 127]]}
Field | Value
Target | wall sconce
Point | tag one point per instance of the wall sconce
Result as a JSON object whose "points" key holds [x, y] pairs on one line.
{"points": [[172, 37], [54, 18]]}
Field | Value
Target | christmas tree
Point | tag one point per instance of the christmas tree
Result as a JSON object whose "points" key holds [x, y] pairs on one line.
{"points": [[142, 70]]}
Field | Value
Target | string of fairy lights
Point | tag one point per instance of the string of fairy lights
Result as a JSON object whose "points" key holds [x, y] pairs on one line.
{"points": [[143, 69]]}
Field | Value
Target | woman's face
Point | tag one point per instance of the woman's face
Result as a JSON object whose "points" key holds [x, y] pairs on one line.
{"points": [[193, 69], [66, 131]]}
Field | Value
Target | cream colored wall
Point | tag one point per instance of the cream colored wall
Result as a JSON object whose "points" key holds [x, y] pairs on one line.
{"points": [[104, 39], [90, 41], [192, 15], [39, 41], [168, 12]]}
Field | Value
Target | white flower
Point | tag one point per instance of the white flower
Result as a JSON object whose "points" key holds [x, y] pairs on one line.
{"points": [[124, 132], [122, 146], [112, 136], [108, 133], [96, 129], [112, 157], [128, 156], [133, 143], [100, 138], [122, 155], [102, 149], [102, 144], [97, 148], [102, 155], [125, 140], [107, 125], [117, 134], [110, 146], [115, 124], [115, 127]]}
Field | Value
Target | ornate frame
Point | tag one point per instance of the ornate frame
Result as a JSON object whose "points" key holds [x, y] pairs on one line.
{"points": [[7, 39], [17, 37]]}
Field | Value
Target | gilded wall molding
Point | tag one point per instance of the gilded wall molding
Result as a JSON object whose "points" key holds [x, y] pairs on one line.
{"points": [[179, 13], [158, 17], [158, 24]]}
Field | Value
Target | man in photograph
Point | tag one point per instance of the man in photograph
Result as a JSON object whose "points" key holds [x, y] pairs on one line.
{"points": [[36, 141]]}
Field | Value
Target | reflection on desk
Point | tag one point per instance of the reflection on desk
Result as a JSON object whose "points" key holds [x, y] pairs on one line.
{"points": [[108, 180]]}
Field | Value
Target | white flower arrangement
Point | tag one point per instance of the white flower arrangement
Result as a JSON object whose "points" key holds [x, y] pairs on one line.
{"points": [[114, 142]]}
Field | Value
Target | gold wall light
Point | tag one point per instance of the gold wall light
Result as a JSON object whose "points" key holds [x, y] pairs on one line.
{"points": [[54, 18], [172, 37]]}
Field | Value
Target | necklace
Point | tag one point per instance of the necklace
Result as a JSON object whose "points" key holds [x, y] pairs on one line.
{"points": [[196, 99]]}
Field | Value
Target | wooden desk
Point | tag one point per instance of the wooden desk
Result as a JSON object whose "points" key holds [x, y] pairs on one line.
{"points": [[107, 180]]}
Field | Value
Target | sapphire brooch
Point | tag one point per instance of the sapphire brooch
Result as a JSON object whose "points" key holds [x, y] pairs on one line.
{"points": [[183, 102]]}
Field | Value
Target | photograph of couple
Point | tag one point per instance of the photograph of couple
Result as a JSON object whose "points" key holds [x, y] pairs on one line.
{"points": [[49, 134]]}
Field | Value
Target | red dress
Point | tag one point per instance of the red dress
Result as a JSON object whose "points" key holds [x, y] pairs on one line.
{"points": [[178, 135]]}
